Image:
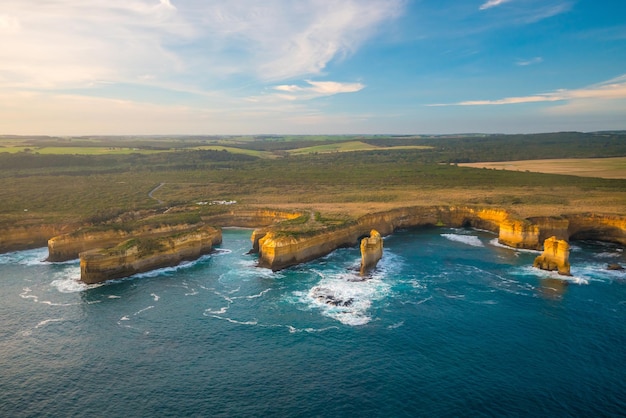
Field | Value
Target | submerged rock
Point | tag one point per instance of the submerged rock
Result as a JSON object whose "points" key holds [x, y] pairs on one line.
{"points": [[615, 266]]}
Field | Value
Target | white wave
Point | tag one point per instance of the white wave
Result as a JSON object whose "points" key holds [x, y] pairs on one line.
{"points": [[396, 325], [211, 312], [234, 321], [48, 321], [165, 270], [253, 296], [472, 240], [69, 282], [114, 297], [542, 274], [125, 318], [341, 297], [139, 312], [607, 255], [26, 294], [155, 297], [497, 243], [32, 257], [294, 330]]}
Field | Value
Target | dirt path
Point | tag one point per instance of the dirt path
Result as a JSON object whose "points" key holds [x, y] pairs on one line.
{"points": [[154, 190]]}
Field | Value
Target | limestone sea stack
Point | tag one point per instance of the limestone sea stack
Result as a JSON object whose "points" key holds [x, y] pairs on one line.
{"points": [[555, 256], [371, 251], [138, 255]]}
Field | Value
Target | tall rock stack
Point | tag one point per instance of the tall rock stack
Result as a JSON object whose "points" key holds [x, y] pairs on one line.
{"points": [[555, 256], [371, 251]]}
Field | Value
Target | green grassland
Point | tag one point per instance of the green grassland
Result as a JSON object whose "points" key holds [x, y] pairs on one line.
{"points": [[85, 183]]}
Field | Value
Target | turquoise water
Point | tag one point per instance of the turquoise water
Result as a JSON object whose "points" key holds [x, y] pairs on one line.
{"points": [[449, 324]]}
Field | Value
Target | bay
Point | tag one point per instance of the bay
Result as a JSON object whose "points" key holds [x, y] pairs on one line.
{"points": [[449, 324]]}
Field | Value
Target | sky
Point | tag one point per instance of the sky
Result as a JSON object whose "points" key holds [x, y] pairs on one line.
{"points": [[217, 67]]}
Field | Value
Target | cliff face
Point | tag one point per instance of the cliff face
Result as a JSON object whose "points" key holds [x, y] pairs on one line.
{"points": [[279, 250], [17, 238], [68, 246], [144, 254], [371, 251], [597, 227], [519, 233], [250, 218], [555, 256]]}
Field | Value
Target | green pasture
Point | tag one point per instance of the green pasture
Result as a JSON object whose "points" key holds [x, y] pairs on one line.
{"points": [[348, 146]]}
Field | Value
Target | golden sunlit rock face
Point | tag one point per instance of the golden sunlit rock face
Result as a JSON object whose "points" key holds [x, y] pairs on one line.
{"points": [[69, 246], [140, 255], [555, 256], [278, 251], [371, 251]]}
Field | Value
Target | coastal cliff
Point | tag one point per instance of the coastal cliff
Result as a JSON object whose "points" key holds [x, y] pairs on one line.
{"points": [[280, 247], [139, 255], [68, 246], [24, 237], [555, 256], [371, 251]]}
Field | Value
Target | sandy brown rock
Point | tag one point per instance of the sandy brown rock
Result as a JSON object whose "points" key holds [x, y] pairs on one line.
{"points": [[69, 246], [144, 254], [555, 256], [24, 237], [371, 251]]}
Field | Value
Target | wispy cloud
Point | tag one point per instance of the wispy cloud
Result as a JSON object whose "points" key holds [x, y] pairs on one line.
{"points": [[317, 89], [202, 43], [532, 61], [613, 89], [492, 3]]}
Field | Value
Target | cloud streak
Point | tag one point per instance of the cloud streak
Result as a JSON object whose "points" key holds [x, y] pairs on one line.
{"points": [[202, 43], [492, 3], [614, 89]]}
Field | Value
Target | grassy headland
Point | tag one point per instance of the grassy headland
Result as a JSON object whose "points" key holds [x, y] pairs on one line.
{"points": [[327, 174]]}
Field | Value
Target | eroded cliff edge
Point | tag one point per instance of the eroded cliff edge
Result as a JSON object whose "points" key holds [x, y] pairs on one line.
{"points": [[281, 246], [138, 255]]}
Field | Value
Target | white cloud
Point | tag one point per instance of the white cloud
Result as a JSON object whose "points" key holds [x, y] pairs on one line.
{"points": [[313, 90], [532, 61], [614, 89], [60, 44], [492, 3]]}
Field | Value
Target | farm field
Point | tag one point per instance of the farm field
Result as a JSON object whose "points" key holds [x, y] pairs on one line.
{"points": [[607, 168], [80, 179]]}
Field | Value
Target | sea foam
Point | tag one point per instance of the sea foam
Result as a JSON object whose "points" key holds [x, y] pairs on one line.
{"points": [[472, 240]]}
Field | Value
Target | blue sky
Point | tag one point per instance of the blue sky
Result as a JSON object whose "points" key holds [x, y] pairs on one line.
{"points": [[81, 67]]}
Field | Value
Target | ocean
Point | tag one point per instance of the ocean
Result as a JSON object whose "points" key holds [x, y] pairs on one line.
{"points": [[449, 324]]}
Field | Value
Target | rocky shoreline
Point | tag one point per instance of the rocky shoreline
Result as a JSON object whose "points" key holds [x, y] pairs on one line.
{"points": [[286, 238]]}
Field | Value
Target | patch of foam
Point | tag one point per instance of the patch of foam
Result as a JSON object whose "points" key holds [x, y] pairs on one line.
{"points": [[48, 321], [234, 321], [396, 325], [26, 294], [33, 257], [542, 274], [497, 243], [607, 255], [472, 240], [341, 297], [165, 270], [69, 282], [155, 297], [259, 295], [294, 330]]}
